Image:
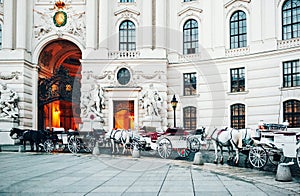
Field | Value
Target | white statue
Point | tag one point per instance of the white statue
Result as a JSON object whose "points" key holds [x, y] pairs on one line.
{"points": [[93, 101], [152, 101], [8, 103]]}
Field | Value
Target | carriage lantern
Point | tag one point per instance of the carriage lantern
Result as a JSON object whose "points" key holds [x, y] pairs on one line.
{"points": [[174, 105]]}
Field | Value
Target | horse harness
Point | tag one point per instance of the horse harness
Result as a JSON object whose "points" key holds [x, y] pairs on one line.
{"points": [[113, 136]]}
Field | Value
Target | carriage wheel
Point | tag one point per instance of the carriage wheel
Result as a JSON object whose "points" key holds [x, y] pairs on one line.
{"points": [[48, 145], [164, 148], [194, 144], [74, 144], [89, 145], [276, 157], [298, 157], [258, 157], [183, 152]]}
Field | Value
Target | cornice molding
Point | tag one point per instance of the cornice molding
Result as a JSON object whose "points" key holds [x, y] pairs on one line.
{"points": [[188, 9], [233, 1], [126, 10]]}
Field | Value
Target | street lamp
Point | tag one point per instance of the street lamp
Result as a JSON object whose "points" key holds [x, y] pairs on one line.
{"points": [[174, 105]]}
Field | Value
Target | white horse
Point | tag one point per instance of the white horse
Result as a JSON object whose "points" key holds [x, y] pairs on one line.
{"points": [[118, 138], [232, 139]]}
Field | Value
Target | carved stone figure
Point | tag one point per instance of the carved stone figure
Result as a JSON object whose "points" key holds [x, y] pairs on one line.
{"points": [[151, 101], [8, 103], [93, 101]]}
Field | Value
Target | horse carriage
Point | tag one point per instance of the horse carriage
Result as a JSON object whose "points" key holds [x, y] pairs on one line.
{"points": [[179, 140], [173, 139], [59, 140], [275, 144], [271, 142]]}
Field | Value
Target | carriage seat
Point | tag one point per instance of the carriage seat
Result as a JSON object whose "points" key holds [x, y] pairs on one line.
{"points": [[176, 131], [72, 132], [58, 130]]}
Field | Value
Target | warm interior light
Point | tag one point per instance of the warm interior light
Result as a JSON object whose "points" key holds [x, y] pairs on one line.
{"points": [[55, 114]]}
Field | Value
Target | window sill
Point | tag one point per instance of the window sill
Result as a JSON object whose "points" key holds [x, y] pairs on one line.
{"points": [[288, 43], [237, 51], [238, 93], [191, 96], [289, 88]]}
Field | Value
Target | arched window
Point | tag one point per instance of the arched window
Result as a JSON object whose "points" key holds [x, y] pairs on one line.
{"points": [[190, 117], [291, 112], [238, 30], [291, 19], [190, 37], [238, 116], [127, 36]]}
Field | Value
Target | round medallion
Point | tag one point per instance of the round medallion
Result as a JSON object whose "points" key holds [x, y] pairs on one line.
{"points": [[123, 76], [60, 18]]}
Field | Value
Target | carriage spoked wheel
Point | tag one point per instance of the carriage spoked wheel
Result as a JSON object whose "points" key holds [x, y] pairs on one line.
{"points": [[183, 152], [48, 145], [164, 148], [74, 144], [276, 157], [194, 144], [89, 145], [298, 157], [258, 157]]}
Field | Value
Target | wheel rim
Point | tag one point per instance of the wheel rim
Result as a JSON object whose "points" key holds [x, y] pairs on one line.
{"points": [[164, 148], [89, 145], [276, 157], [258, 157], [74, 144], [48, 146], [183, 152], [298, 157], [194, 144]]}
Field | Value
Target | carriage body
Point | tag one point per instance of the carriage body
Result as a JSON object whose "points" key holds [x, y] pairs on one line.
{"points": [[59, 139], [74, 141], [182, 141], [274, 143]]}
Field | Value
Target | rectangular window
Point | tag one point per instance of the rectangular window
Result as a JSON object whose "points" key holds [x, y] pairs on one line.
{"points": [[291, 73], [190, 118], [237, 76], [189, 84]]}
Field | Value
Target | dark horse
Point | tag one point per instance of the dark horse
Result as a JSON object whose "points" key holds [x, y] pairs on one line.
{"points": [[34, 137]]}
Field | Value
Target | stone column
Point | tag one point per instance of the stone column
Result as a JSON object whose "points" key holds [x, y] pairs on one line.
{"points": [[8, 24], [161, 24], [35, 78], [91, 24], [103, 25], [146, 28], [21, 31]]}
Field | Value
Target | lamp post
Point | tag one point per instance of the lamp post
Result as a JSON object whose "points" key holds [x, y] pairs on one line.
{"points": [[174, 105]]}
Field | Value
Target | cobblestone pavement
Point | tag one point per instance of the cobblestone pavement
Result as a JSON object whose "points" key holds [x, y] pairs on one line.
{"points": [[86, 174]]}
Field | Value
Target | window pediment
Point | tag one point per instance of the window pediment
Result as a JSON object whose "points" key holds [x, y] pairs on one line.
{"points": [[189, 9], [127, 11], [233, 1]]}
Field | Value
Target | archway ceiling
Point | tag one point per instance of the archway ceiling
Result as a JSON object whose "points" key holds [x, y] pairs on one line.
{"points": [[60, 52]]}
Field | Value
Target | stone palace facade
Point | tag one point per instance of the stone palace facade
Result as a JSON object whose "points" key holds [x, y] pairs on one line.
{"points": [[82, 64]]}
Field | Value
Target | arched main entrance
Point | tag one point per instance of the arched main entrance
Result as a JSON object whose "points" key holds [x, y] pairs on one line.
{"points": [[59, 85]]}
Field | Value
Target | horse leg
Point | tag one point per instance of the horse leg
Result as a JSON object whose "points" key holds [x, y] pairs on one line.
{"points": [[32, 145], [222, 156], [24, 145], [112, 146], [216, 151], [236, 162]]}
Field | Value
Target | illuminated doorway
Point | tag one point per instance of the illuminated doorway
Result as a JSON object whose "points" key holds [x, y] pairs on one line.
{"points": [[124, 115], [59, 85]]}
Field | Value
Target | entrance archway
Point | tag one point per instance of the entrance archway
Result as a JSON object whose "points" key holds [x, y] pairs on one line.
{"points": [[59, 85]]}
